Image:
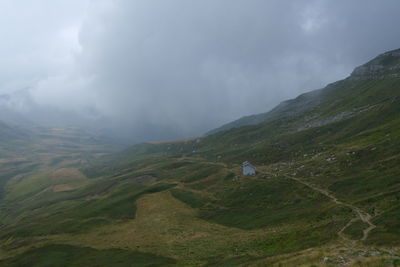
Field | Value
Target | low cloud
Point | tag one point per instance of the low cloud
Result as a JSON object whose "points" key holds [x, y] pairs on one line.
{"points": [[164, 69]]}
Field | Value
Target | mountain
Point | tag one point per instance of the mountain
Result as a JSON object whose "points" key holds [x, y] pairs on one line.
{"points": [[326, 193], [386, 65], [8, 132], [12, 139]]}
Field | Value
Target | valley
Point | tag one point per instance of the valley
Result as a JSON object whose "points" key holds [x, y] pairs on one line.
{"points": [[326, 192]]}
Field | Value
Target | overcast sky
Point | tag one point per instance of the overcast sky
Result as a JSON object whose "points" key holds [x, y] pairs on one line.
{"points": [[156, 69]]}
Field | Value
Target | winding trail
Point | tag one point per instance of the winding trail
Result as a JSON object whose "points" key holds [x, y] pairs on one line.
{"points": [[361, 215]]}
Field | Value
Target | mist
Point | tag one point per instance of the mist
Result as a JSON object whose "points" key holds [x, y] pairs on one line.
{"points": [[152, 70]]}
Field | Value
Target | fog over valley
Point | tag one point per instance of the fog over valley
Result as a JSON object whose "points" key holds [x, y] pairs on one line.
{"points": [[156, 70]]}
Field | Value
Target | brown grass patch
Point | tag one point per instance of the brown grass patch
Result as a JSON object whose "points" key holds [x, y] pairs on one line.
{"points": [[62, 188], [166, 226], [67, 174]]}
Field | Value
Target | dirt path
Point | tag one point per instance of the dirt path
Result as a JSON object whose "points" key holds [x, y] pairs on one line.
{"points": [[361, 215]]}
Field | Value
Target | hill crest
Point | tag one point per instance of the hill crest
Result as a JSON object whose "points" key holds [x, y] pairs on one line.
{"points": [[386, 65]]}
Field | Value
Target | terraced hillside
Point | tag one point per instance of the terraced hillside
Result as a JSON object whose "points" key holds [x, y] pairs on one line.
{"points": [[326, 194]]}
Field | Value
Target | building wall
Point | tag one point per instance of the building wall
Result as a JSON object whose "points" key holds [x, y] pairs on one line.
{"points": [[248, 170]]}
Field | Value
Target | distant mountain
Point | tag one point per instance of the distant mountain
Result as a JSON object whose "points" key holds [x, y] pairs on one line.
{"points": [[8, 132], [386, 65]]}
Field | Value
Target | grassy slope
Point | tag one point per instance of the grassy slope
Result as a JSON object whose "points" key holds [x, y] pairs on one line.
{"points": [[347, 142], [65, 255]]}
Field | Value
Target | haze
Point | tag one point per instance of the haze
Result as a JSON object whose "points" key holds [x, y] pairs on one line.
{"points": [[154, 69]]}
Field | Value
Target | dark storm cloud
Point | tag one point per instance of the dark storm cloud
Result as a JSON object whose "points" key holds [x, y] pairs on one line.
{"points": [[163, 69]]}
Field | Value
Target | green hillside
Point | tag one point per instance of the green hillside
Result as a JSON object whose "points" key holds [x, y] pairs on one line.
{"points": [[326, 193], [383, 66]]}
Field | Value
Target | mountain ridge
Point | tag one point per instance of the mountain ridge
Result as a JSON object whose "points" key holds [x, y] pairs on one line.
{"points": [[384, 65]]}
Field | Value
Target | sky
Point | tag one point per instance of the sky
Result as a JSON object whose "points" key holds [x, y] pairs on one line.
{"points": [[154, 69]]}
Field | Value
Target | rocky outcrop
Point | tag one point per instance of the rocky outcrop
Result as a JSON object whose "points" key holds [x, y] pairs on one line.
{"points": [[384, 65]]}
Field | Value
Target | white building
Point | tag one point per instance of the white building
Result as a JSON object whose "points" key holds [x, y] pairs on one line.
{"points": [[248, 169]]}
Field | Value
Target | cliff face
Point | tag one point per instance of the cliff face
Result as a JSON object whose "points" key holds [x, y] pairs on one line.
{"points": [[386, 64]]}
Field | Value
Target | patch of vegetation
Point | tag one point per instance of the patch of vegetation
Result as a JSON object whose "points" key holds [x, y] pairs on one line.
{"points": [[176, 165], [81, 215], [66, 255], [388, 228], [201, 172], [232, 261], [204, 184], [13, 169], [298, 240], [55, 161], [260, 203], [355, 230], [229, 176], [190, 198]]}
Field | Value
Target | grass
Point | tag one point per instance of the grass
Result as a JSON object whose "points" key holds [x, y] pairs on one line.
{"points": [[298, 240], [388, 228], [80, 215], [259, 203], [192, 199], [201, 172], [12, 169], [355, 230], [66, 255], [168, 227]]}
